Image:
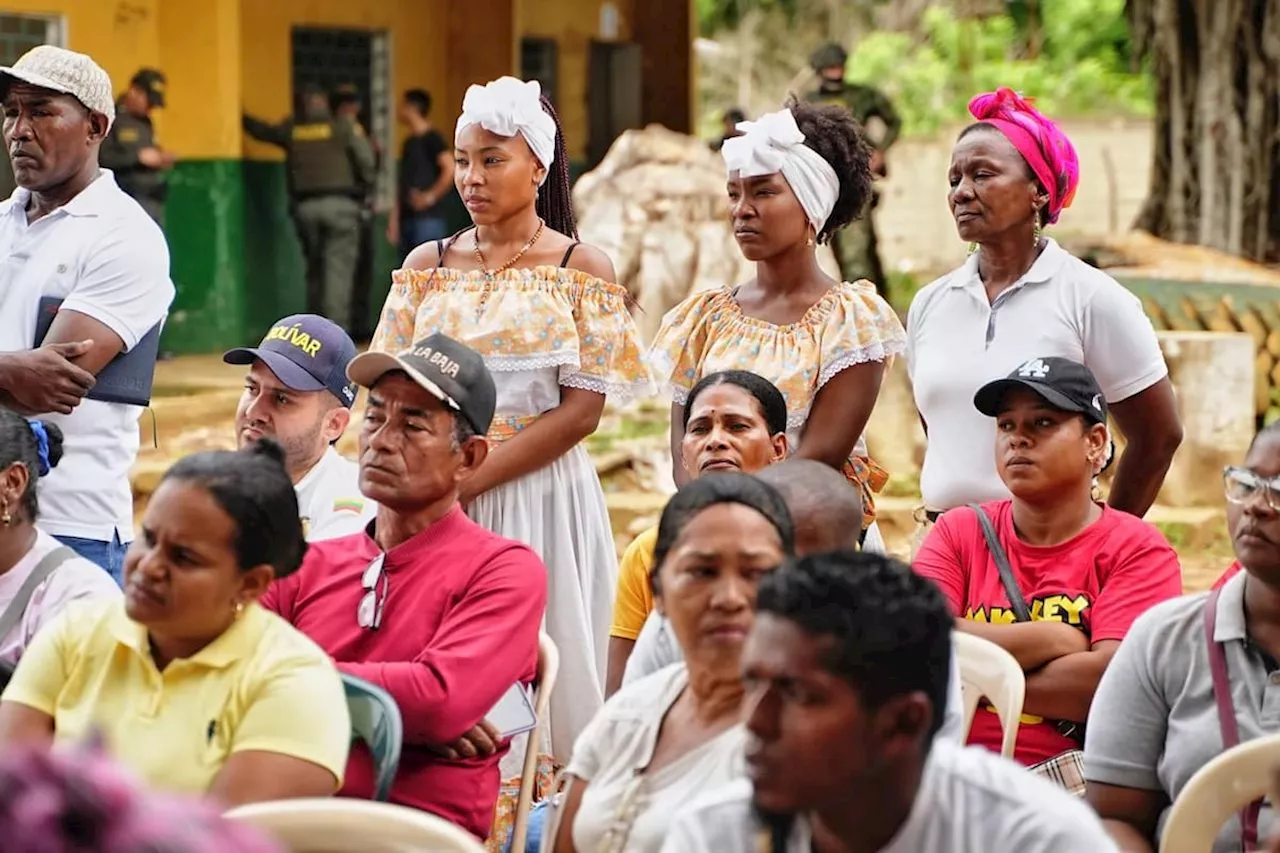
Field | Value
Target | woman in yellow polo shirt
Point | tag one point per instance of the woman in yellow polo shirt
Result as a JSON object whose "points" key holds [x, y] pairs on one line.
{"points": [[734, 420], [192, 685]]}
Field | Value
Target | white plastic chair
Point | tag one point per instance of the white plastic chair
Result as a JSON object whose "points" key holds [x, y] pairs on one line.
{"points": [[339, 825], [1218, 790], [548, 669], [988, 670]]}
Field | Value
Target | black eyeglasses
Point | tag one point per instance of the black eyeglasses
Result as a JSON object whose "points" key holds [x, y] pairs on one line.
{"points": [[1242, 486], [376, 583]]}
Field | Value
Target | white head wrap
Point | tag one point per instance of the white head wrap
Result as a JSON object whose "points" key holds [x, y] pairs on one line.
{"points": [[773, 144], [508, 106]]}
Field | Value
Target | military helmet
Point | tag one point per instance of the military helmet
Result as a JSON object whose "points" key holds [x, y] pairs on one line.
{"points": [[829, 55]]}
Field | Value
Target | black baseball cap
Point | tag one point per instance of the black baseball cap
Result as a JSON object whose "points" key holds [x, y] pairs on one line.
{"points": [[153, 82], [452, 372], [1064, 384], [307, 353]]}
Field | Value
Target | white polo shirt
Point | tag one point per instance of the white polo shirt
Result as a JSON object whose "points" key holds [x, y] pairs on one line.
{"points": [[106, 258], [957, 341], [329, 499], [970, 800]]}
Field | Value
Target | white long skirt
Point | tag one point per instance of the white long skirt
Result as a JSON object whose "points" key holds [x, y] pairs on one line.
{"points": [[559, 511]]}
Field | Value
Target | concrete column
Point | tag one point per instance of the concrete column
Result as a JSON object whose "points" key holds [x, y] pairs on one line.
{"points": [[1212, 373]]}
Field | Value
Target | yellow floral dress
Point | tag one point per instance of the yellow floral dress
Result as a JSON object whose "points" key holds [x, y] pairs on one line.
{"points": [[540, 330], [849, 325]]}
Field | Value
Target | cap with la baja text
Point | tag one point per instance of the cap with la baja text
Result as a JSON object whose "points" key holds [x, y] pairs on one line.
{"points": [[153, 82], [1062, 383], [65, 71], [450, 371], [306, 352]]}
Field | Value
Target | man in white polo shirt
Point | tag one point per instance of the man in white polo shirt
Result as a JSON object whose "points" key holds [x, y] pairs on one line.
{"points": [[846, 677], [69, 233], [297, 393]]}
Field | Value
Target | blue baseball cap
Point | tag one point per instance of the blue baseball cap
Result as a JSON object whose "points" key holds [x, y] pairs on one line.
{"points": [[306, 352]]}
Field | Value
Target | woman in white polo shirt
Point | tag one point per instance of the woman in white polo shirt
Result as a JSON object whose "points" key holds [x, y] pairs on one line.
{"points": [[1018, 296]]}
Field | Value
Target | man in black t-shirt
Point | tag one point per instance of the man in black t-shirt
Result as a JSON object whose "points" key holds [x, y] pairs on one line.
{"points": [[426, 176]]}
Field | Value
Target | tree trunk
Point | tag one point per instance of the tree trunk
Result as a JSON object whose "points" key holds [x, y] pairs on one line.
{"points": [[1217, 123]]}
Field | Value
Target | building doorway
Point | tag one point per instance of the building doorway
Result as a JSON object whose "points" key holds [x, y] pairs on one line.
{"points": [[335, 58]]}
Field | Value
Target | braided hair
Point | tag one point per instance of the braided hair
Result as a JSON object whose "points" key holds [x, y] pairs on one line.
{"points": [[555, 200]]}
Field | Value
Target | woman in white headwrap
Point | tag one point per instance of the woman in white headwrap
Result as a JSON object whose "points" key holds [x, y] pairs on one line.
{"points": [[556, 333], [796, 177]]}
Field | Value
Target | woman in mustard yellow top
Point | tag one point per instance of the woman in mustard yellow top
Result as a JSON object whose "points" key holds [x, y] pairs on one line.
{"points": [[193, 686], [733, 421]]}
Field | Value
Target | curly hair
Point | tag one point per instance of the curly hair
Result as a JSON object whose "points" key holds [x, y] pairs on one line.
{"points": [[889, 628], [836, 135], [555, 199]]}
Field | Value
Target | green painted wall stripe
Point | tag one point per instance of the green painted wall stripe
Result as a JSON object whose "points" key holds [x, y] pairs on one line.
{"points": [[235, 256]]}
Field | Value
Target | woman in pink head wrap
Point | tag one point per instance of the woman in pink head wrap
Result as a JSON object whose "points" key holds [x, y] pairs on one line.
{"points": [[1018, 300]]}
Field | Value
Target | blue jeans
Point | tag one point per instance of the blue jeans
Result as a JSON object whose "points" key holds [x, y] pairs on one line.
{"points": [[537, 823], [108, 555], [420, 229]]}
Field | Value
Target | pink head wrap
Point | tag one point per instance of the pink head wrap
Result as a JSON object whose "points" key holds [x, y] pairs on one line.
{"points": [[1040, 142]]}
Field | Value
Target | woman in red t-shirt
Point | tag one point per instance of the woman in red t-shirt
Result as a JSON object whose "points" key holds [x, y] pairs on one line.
{"points": [[1084, 570]]}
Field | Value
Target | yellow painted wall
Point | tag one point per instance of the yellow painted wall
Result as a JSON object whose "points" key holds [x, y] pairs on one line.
{"points": [[419, 48], [573, 24]]}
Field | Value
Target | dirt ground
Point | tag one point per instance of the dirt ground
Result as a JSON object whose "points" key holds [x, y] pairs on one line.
{"points": [[194, 409]]}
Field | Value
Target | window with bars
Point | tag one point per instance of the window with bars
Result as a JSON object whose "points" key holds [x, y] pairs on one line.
{"points": [[540, 60], [334, 58], [20, 33]]}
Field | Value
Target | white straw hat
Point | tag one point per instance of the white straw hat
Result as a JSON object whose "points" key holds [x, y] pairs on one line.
{"points": [[68, 72]]}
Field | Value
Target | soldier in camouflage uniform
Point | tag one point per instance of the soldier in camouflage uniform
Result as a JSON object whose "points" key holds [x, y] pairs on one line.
{"points": [[855, 247], [331, 170]]}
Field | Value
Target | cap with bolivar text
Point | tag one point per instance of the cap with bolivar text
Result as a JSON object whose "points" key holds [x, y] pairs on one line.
{"points": [[306, 352], [450, 371], [1062, 383]]}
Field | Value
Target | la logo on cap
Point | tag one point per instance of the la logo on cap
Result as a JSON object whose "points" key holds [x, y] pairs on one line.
{"points": [[1034, 369], [1097, 402]]}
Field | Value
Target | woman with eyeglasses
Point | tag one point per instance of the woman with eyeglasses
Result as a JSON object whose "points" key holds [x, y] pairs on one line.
{"points": [[1195, 676], [194, 686]]}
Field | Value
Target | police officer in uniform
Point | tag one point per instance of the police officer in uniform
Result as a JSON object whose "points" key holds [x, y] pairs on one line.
{"points": [[331, 171], [130, 150], [855, 247]]}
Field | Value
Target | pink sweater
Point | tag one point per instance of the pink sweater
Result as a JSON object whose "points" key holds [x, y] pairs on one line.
{"points": [[460, 625]]}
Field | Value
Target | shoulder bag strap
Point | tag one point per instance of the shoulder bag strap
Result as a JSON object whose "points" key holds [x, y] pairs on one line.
{"points": [[1227, 713], [13, 613], [1011, 588]]}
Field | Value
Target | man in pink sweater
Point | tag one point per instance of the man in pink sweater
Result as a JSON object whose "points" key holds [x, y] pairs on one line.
{"points": [[436, 610]]}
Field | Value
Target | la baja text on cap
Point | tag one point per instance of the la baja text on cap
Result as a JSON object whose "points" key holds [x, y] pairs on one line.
{"points": [[450, 371], [60, 70], [1062, 383], [306, 352]]}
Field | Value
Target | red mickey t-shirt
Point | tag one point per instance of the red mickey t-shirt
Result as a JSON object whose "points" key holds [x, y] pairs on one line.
{"points": [[1101, 581]]}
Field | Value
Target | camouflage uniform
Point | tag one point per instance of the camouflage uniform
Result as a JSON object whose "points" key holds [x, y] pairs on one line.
{"points": [[855, 246]]}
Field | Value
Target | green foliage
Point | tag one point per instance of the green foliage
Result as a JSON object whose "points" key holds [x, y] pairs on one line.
{"points": [[716, 15], [1085, 66]]}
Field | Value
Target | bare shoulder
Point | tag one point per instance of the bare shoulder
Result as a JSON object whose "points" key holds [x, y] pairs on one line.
{"points": [[424, 257], [592, 261]]}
